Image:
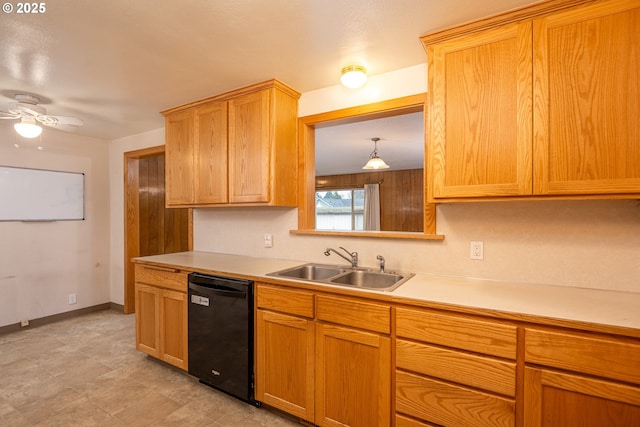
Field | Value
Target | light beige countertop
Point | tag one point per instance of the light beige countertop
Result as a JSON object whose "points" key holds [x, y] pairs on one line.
{"points": [[589, 306]]}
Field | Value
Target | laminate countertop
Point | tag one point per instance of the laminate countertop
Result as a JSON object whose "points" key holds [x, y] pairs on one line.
{"points": [[557, 304]]}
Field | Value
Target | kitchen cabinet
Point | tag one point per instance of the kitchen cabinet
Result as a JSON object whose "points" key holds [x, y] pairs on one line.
{"points": [[580, 379], [237, 148], [161, 314], [284, 354], [454, 370], [323, 358], [539, 106]]}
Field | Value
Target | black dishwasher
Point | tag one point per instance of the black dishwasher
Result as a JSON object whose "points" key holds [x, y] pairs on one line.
{"points": [[221, 333]]}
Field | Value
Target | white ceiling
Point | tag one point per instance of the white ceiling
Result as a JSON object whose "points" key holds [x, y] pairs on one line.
{"points": [[116, 63]]}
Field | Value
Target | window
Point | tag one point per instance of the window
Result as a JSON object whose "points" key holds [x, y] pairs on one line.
{"points": [[340, 209]]}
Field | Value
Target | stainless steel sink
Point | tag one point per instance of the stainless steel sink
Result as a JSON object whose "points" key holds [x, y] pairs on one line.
{"points": [[363, 278], [368, 279], [310, 272]]}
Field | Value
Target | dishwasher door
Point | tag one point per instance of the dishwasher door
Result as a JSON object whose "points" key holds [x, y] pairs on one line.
{"points": [[221, 333]]}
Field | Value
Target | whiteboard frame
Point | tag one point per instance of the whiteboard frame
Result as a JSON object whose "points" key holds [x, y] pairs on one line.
{"points": [[47, 191]]}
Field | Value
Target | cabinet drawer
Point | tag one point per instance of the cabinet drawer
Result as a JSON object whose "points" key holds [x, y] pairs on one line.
{"points": [[492, 338], [476, 371], [299, 303], [591, 355], [166, 277], [351, 312], [402, 421], [445, 404]]}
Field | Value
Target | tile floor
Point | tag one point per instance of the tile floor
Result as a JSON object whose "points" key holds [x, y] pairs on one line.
{"points": [[86, 371]]}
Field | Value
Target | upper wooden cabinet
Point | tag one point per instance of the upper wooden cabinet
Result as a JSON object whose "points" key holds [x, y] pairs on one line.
{"points": [[236, 148], [536, 103]]}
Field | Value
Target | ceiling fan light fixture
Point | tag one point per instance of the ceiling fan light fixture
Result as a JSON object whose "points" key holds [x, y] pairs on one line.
{"points": [[375, 162], [353, 76], [27, 127]]}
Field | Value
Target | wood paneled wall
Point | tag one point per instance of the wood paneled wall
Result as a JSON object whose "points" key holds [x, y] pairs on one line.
{"points": [[165, 229], [401, 195]]}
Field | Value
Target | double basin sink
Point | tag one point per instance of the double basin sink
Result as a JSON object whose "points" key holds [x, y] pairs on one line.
{"points": [[363, 278]]}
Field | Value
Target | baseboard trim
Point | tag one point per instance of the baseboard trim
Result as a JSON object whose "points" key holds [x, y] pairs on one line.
{"points": [[58, 317]]}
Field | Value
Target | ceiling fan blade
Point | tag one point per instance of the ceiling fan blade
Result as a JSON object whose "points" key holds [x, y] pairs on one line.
{"points": [[56, 121], [9, 115], [62, 127]]}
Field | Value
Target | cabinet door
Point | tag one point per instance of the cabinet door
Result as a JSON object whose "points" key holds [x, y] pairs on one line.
{"points": [[587, 100], [179, 158], [249, 144], [147, 319], [480, 138], [353, 371], [558, 399], [285, 363], [211, 153], [173, 328]]}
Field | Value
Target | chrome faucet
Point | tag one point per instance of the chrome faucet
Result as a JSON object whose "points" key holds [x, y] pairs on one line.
{"points": [[381, 259], [353, 255]]}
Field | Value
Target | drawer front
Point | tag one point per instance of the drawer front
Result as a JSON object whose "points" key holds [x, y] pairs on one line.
{"points": [[475, 371], [366, 315], [402, 421], [166, 277], [591, 355], [299, 303], [492, 338], [446, 404]]}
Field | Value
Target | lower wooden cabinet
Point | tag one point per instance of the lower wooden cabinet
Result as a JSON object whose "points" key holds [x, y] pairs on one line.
{"points": [[162, 314], [316, 359], [454, 370], [353, 377], [285, 363], [602, 390]]}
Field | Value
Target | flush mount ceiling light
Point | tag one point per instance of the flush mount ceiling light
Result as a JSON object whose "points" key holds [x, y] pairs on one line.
{"points": [[27, 127], [375, 162], [353, 76]]}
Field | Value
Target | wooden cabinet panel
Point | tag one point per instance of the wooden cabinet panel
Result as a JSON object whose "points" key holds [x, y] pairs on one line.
{"points": [[446, 404], [590, 355], [402, 421], [559, 399], [211, 172], [296, 302], [249, 148], [147, 319], [179, 157], [353, 377], [162, 314], [586, 91], [356, 313], [492, 338], [475, 371], [480, 138], [173, 327], [162, 276], [285, 363]]}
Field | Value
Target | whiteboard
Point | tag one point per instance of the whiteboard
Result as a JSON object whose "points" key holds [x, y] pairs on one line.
{"points": [[40, 195]]}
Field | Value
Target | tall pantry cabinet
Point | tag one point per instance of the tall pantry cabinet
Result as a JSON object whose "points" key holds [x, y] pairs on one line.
{"points": [[538, 102]]}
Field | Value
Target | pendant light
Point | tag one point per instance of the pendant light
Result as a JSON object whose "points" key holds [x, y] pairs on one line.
{"points": [[375, 162]]}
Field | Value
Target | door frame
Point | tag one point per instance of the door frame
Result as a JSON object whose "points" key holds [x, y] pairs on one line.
{"points": [[132, 219]]}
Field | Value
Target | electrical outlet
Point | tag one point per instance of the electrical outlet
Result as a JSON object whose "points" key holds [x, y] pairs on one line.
{"points": [[268, 240], [72, 298], [477, 250], [24, 323]]}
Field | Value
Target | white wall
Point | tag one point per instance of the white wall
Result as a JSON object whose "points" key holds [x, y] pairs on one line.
{"points": [[117, 148], [593, 244], [42, 263]]}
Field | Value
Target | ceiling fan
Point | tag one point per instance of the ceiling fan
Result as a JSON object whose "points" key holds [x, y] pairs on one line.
{"points": [[26, 109]]}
